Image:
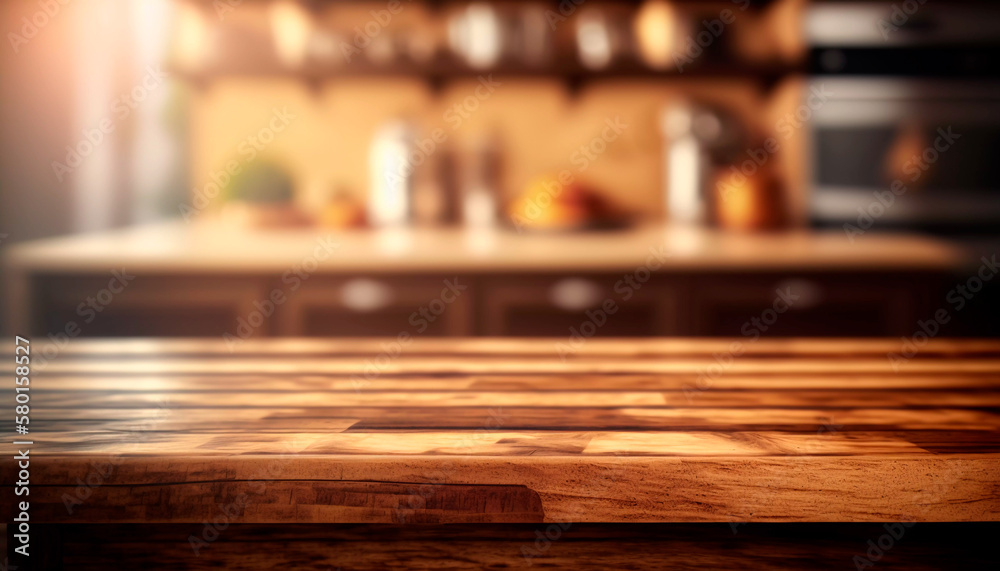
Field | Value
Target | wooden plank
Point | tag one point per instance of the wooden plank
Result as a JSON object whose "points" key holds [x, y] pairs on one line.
{"points": [[632, 348], [599, 488], [338, 419], [126, 432], [290, 500], [672, 404], [250, 547], [832, 382], [481, 443], [533, 366]]}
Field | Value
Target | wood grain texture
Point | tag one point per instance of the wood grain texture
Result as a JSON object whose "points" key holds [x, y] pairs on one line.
{"points": [[479, 431], [244, 547]]}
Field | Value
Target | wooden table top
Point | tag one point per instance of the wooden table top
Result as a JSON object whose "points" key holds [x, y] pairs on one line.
{"points": [[494, 430]]}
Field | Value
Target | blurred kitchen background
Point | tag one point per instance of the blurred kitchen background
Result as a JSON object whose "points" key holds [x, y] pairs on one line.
{"points": [[574, 168]]}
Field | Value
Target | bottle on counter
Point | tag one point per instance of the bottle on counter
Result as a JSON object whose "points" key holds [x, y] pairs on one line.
{"points": [[481, 184], [435, 189], [390, 197]]}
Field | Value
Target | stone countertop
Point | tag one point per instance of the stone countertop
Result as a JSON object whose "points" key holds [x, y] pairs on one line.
{"points": [[200, 248]]}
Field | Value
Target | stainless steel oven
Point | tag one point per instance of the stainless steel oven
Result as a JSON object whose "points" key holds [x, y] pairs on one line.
{"points": [[909, 135]]}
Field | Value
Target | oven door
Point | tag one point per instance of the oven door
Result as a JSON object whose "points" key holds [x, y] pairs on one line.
{"points": [[934, 146]]}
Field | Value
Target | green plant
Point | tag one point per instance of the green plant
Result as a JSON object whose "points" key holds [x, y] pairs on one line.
{"points": [[260, 182]]}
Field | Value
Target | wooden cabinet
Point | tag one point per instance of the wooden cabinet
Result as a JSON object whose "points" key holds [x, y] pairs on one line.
{"points": [[560, 305]]}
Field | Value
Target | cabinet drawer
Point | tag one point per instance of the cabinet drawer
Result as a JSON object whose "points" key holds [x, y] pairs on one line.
{"points": [[378, 307], [115, 305], [804, 305], [588, 305]]}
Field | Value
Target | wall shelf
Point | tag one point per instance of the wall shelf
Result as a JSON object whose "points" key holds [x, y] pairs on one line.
{"points": [[439, 74]]}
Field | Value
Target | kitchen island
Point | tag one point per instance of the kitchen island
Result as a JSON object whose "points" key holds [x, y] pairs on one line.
{"points": [[207, 280]]}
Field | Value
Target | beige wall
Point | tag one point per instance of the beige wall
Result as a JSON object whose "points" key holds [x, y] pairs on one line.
{"points": [[540, 124]]}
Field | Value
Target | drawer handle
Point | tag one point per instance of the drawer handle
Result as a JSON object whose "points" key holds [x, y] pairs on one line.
{"points": [[575, 294], [364, 295], [810, 293]]}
